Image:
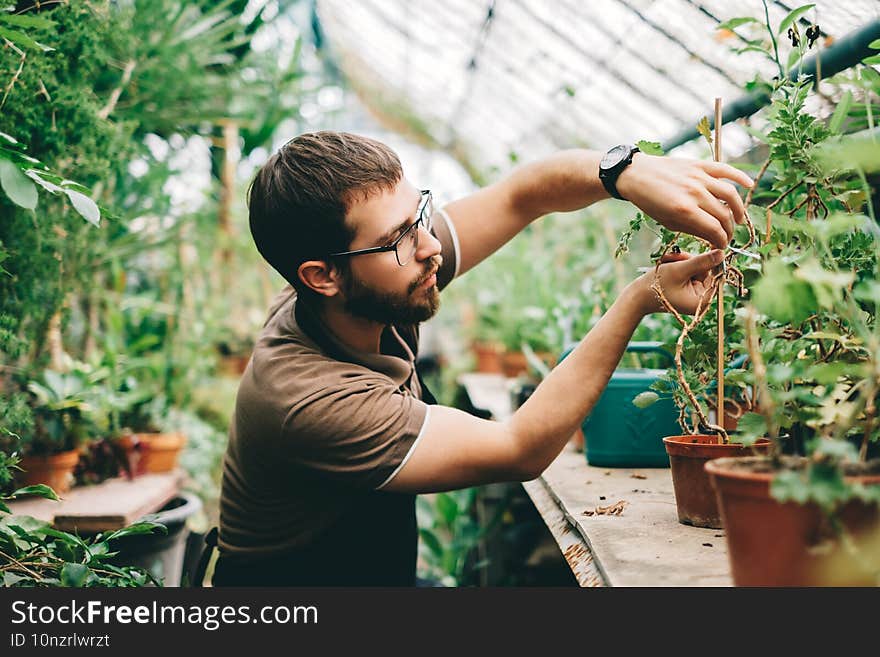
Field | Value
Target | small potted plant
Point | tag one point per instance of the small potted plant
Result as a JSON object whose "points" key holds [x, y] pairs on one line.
{"points": [[159, 450], [51, 449]]}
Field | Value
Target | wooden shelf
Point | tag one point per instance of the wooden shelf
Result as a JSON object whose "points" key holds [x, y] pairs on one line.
{"points": [[107, 506], [644, 545]]}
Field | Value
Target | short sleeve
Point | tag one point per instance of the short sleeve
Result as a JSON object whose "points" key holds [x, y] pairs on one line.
{"points": [[358, 433], [443, 229]]}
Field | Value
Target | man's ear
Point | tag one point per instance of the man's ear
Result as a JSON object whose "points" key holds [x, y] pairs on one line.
{"points": [[321, 276]]}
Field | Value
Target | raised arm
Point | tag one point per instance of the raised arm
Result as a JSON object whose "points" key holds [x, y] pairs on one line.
{"points": [[683, 195]]}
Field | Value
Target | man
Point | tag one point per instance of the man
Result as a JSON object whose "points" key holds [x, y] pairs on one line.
{"points": [[333, 434]]}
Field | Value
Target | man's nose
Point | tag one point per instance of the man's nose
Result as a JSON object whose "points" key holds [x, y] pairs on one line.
{"points": [[429, 246]]}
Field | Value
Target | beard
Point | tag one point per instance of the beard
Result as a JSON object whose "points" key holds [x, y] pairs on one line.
{"points": [[414, 306]]}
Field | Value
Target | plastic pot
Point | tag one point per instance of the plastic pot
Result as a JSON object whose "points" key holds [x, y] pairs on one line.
{"points": [[694, 495], [161, 554], [773, 543], [619, 434]]}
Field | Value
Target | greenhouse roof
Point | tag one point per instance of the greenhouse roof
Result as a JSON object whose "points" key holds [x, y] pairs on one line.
{"points": [[499, 80]]}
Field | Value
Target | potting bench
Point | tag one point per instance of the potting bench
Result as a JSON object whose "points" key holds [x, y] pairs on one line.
{"points": [[614, 526], [107, 506]]}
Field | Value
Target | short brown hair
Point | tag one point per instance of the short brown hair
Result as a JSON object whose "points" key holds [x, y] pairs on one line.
{"points": [[298, 200]]}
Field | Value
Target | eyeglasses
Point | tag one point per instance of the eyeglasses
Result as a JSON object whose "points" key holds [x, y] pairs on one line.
{"points": [[406, 245]]}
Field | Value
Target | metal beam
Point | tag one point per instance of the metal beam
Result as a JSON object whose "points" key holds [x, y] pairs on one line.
{"points": [[841, 55]]}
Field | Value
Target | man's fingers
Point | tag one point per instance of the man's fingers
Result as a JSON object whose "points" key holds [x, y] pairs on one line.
{"points": [[708, 227], [721, 170], [674, 257], [718, 210], [724, 191], [700, 265]]}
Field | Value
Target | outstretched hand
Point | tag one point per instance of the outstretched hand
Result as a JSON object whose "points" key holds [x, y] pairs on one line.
{"points": [[690, 196], [685, 280]]}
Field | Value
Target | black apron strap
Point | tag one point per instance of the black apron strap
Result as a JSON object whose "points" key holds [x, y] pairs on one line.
{"points": [[427, 396], [205, 558]]}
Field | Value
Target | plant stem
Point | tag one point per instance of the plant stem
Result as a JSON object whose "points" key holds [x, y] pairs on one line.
{"points": [[766, 405], [773, 41]]}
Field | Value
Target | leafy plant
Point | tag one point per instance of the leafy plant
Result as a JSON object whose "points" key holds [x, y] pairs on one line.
{"points": [[33, 554], [808, 316], [449, 535]]}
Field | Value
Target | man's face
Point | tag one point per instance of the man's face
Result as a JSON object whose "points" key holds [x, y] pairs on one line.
{"points": [[375, 286]]}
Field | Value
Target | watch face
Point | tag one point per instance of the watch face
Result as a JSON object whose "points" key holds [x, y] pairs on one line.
{"points": [[614, 156]]}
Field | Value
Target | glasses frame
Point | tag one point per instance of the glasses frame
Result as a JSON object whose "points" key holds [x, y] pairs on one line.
{"points": [[421, 220]]}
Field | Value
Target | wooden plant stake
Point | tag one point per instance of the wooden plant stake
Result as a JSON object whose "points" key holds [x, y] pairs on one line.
{"points": [[719, 401]]}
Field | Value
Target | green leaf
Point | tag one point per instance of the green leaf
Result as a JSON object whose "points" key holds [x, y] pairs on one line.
{"points": [[751, 426], [99, 550], [827, 285], [74, 574], [4, 508], [705, 129], [782, 297], [650, 147], [828, 373], [63, 536], [447, 508], [18, 187], [23, 40], [788, 486], [39, 489], [645, 399], [734, 23], [793, 15], [837, 450], [26, 21], [45, 184], [137, 529], [85, 206], [28, 523], [11, 579], [875, 44], [873, 59], [430, 539]]}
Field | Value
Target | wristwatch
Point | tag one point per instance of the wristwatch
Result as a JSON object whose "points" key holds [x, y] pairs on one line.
{"points": [[612, 165]]}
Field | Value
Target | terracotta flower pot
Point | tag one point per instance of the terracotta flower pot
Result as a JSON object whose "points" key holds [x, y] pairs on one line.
{"points": [[233, 365], [694, 495], [487, 356], [135, 454], [54, 470], [514, 363], [772, 543], [162, 450]]}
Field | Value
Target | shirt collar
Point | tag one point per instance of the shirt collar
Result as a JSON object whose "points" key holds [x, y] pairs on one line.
{"points": [[396, 368]]}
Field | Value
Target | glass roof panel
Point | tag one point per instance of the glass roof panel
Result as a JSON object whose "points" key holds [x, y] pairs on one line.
{"points": [[496, 77]]}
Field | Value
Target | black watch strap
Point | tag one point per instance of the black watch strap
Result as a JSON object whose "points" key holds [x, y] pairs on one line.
{"points": [[609, 174]]}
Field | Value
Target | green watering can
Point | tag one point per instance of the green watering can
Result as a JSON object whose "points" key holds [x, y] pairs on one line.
{"points": [[619, 434]]}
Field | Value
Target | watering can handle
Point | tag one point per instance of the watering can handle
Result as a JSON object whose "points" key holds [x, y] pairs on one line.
{"points": [[649, 347]]}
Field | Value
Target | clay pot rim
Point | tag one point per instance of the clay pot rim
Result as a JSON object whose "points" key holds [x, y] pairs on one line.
{"points": [[684, 446], [172, 440], [720, 468], [68, 455]]}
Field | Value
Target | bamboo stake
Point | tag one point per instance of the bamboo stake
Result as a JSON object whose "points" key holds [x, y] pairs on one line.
{"points": [[719, 401]]}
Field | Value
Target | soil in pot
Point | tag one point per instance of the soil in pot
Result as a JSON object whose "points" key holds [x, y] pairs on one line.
{"points": [[53, 470], [162, 450], [772, 543], [694, 495]]}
